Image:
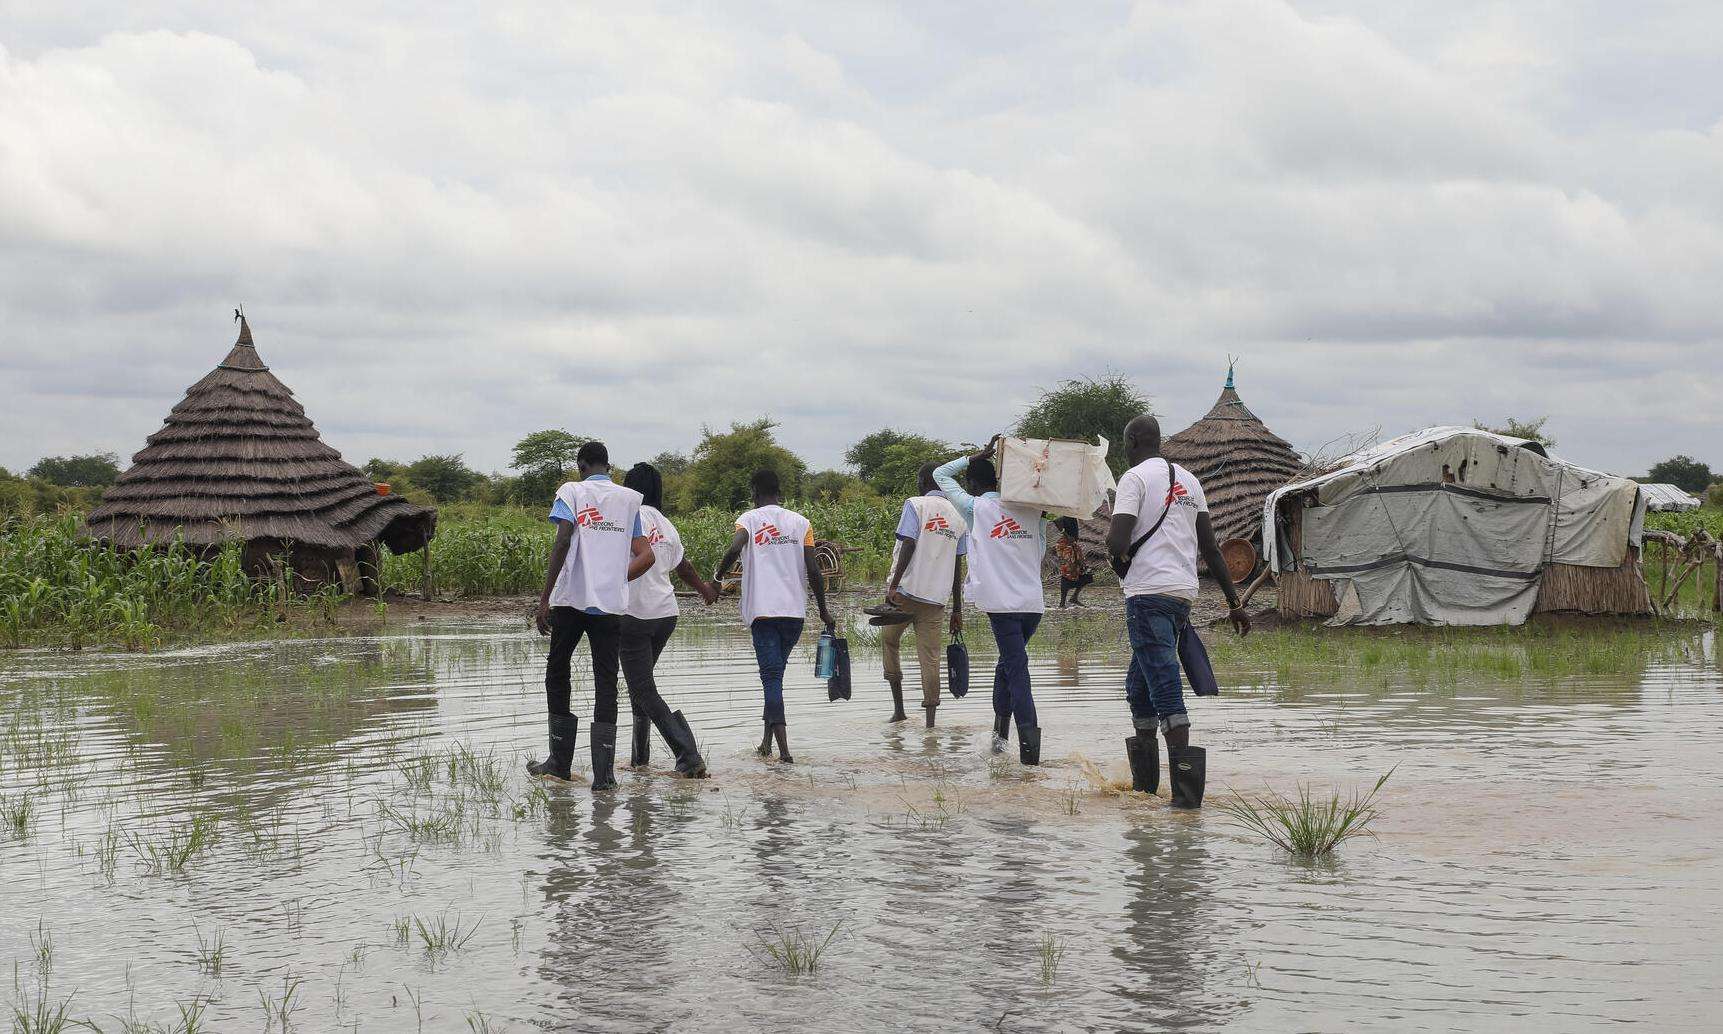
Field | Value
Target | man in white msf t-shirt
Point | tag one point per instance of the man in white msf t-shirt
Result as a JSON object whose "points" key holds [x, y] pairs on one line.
{"points": [[1160, 523], [776, 548]]}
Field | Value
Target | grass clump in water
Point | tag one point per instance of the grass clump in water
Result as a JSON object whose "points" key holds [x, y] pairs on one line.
{"points": [[790, 949], [1305, 827], [1051, 951], [441, 937], [172, 853]]}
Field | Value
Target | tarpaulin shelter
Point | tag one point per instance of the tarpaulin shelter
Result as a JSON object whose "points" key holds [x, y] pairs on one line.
{"points": [[1237, 459], [1668, 498], [1455, 526], [237, 460]]}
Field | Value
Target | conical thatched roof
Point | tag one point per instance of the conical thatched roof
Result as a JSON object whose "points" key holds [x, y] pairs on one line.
{"points": [[238, 460], [1238, 460]]}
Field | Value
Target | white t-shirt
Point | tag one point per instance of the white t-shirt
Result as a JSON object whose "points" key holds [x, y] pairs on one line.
{"points": [[605, 517], [1167, 563], [1005, 547], [774, 573], [651, 595]]}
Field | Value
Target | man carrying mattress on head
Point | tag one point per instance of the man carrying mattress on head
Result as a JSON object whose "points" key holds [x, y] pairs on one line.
{"points": [[1006, 542]]}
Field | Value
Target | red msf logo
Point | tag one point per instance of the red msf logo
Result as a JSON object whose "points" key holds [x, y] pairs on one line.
{"points": [[1175, 493], [937, 523], [767, 533], [656, 537], [1006, 526], [588, 516]]}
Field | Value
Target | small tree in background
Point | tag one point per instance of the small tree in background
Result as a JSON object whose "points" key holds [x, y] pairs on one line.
{"points": [[543, 459], [445, 478], [381, 469], [887, 460], [1086, 409], [721, 465], [96, 470], [1530, 430], [1684, 472]]}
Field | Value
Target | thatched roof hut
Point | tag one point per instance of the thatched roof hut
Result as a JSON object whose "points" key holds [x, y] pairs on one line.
{"points": [[1237, 459], [238, 460]]}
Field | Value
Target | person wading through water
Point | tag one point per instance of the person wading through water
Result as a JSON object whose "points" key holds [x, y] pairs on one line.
{"points": [[648, 624], [1160, 523], [776, 547], [926, 573], [599, 549], [1074, 573], [1006, 544]]}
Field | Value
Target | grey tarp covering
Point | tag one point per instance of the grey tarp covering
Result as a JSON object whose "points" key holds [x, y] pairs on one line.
{"points": [[1668, 497], [1453, 526]]}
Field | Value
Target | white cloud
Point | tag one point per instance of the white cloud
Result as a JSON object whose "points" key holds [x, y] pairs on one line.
{"points": [[634, 222]]}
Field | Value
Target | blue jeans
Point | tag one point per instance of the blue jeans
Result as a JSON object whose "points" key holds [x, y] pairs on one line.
{"points": [[1011, 673], [1153, 687], [774, 639]]}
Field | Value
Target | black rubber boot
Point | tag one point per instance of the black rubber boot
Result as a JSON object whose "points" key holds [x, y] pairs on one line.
{"points": [[1001, 732], [563, 728], [782, 732], [681, 740], [1188, 770], [640, 752], [603, 756], [1144, 752], [1029, 744], [897, 714]]}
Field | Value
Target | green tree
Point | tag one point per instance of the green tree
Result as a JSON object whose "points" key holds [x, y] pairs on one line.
{"points": [[673, 468], [721, 465], [836, 486], [446, 478], [382, 470], [1684, 472], [95, 470], [887, 460], [1530, 430], [543, 459], [1086, 409]]}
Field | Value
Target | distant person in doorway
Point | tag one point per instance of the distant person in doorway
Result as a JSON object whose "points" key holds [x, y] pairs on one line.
{"points": [[1160, 524], [647, 626], [1006, 544], [926, 574], [776, 548], [1074, 573], [600, 547]]}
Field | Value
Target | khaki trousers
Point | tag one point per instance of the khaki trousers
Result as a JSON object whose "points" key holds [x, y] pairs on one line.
{"points": [[928, 621]]}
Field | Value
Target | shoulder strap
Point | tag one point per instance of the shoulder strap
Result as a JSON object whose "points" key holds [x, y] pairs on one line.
{"points": [[1172, 482]]}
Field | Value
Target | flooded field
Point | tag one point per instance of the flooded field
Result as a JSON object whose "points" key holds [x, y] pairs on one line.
{"points": [[338, 834]]}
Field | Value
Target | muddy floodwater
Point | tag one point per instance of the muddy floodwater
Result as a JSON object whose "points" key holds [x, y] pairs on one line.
{"points": [[339, 834]]}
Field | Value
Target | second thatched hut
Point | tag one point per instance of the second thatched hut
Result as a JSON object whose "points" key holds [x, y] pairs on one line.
{"points": [[1237, 459]]}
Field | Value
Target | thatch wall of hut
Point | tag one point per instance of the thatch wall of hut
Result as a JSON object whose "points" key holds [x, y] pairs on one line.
{"points": [[237, 460]]}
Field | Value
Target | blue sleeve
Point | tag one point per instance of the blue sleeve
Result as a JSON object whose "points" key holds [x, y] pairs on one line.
{"points": [[559, 511], [946, 478], [963, 545], [637, 526], [909, 525]]}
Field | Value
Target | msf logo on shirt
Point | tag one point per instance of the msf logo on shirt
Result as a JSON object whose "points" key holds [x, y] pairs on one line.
{"points": [[769, 535], [656, 536], [1177, 494], [1007, 528], [938, 525], [591, 518]]}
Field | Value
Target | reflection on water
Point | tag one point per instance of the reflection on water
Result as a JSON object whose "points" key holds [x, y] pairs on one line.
{"points": [[1548, 856]]}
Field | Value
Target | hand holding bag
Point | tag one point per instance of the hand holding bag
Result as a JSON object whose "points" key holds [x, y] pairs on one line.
{"points": [[957, 666]]}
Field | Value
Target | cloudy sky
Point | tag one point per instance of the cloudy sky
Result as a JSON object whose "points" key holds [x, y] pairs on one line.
{"points": [[630, 220]]}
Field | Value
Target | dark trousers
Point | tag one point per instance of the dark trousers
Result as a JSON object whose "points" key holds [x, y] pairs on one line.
{"points": [[603, 636], [1011, 694], [643, 639], [774, 641], [1152, 687]]}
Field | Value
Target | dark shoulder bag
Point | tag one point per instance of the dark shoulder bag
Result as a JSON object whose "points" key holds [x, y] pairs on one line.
{"points": [[1122, 564]]}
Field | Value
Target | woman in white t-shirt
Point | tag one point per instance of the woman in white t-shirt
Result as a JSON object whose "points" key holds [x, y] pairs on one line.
{"points": [[648, 623]]}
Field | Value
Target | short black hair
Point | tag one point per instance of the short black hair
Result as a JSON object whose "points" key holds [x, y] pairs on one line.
{"points": [[983, 473], [924, 476], [645, 479], [765, 482], [593, 454]]}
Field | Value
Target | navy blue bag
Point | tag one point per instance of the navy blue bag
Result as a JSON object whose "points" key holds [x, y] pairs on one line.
{"points": [[838, 686], [957, 666], [1193, 658]]}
